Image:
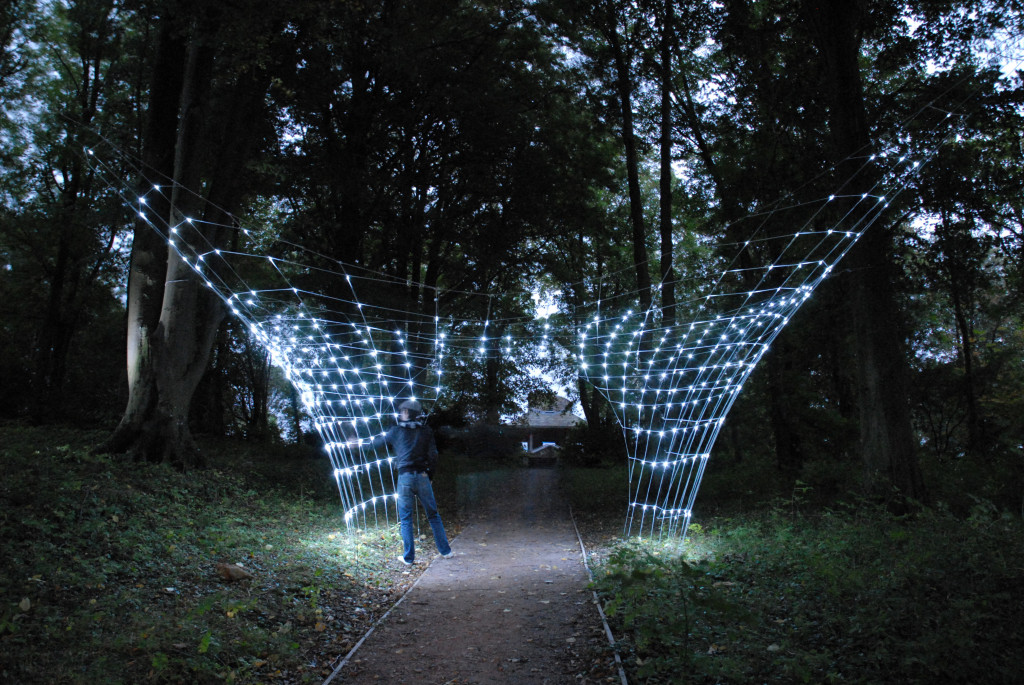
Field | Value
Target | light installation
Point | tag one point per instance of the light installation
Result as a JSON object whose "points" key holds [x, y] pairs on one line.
{"points": [[670, 387]]}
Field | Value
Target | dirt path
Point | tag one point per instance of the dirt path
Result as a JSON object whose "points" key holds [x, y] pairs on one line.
{"points": [[512, 605]]}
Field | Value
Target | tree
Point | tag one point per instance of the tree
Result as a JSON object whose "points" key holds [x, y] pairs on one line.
{"points": [[441, 150], [66, 84], [613, 35], [666, 173], [199, 145]]}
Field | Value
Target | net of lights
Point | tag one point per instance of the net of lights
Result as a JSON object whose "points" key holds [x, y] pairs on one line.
{"points": [[670, 387]]}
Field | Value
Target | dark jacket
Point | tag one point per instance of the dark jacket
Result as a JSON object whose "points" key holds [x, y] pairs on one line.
{"points": [[413, 445]]}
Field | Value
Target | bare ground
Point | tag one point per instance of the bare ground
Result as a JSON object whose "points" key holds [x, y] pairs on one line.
{"points": [[512, 605]]}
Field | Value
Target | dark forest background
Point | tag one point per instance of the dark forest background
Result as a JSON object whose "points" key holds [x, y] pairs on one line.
{"points": [[503, 148]]}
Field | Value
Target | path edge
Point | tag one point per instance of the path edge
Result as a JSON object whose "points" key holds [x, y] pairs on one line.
{"points": [[597, 602]]}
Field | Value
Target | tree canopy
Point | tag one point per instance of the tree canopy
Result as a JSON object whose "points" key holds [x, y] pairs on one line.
{"points": [[459, 157]]}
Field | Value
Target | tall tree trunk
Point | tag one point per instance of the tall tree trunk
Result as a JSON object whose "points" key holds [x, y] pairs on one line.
{"points": [[789, 455], [62, 315], [207, 411], [296, 407], [886, 438], [624, 92], [668, 277], [54, 338], [965, 333], [173, 319], [492, 406], [149, 250]]}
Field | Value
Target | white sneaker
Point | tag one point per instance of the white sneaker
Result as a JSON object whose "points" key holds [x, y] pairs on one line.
{"points": [[448, 556], [407, 563]]}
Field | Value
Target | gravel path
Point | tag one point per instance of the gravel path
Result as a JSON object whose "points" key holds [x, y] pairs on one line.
{"points": [[512, 605]]}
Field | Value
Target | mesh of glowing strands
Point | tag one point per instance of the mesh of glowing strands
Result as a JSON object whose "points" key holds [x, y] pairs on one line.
{"points": [[671, 387], [349, 362]]}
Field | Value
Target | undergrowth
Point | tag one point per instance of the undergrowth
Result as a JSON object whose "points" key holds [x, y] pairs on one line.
{"points": [[108, 568], [851, 595]]}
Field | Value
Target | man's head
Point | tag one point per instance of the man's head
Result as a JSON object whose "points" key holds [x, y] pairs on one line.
{"points": [[410, 409]]}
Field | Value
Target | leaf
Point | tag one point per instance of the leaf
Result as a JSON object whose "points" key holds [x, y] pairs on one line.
{"points": [[320, 627], [25, 604], [231, 572], [204, 644]]}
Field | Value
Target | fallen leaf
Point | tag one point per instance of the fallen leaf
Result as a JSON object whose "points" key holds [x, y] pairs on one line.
{"points": [[320, 627], [232, 572], [25, 604], [773, 648]]}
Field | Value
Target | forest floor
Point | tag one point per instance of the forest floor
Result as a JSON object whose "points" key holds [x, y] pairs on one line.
{"points": [[511, 606], [109, 570], [109, 575]]}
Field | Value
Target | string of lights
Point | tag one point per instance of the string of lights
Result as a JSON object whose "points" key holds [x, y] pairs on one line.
{"points": [[670, 386]]}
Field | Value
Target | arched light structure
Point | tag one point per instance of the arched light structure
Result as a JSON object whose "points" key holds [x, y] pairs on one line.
{"points": [[670, 387]]}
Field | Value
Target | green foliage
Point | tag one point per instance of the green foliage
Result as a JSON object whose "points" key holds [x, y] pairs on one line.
{"points": [[590, 446], [597, 490], [108, 569], [851, 595], [660, 600]]}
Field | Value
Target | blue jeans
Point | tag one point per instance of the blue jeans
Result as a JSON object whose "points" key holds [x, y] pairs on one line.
{"points": [[418, 484]]}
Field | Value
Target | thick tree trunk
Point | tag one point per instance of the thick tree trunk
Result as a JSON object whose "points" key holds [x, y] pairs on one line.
{"points": [[886, 438], [149, 249], [172, 317], [172, 323], [207, 411], [296, 414]]}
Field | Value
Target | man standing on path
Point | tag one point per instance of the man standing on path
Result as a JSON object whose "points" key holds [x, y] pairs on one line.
{"points": [[415, 459]]}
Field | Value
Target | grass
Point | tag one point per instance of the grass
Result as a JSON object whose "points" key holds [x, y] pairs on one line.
{"points": [[107, 575], [785, 593], [107, 568]]}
